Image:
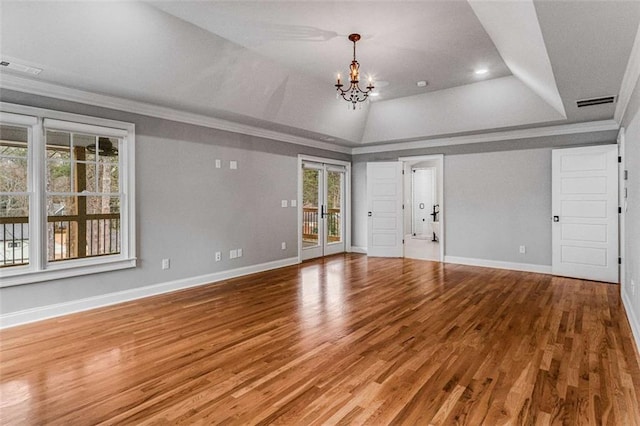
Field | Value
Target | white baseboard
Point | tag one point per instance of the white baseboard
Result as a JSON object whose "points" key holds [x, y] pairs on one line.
{"points": [[633, 319], [361, 250], [37, 314], [525, 267]]}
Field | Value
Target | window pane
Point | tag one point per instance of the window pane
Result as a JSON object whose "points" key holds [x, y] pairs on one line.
{"points": [[58, 145], [83, 226], [13, 159], [86, 144], [310, 208], [59, 176], [14, 230], [109, 176], [88, 170], [334, 204], [103, 205], [14, 206], [16, 137], [103, 226], [14, 174], [108, 151], [58, 205]]}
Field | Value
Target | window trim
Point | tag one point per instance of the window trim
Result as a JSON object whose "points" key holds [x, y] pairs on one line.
{"points": [[39, 269]]}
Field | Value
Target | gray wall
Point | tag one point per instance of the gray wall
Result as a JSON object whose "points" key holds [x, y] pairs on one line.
{"points": [[495, 202], [497, 196], [631, 122], [186, 208]]}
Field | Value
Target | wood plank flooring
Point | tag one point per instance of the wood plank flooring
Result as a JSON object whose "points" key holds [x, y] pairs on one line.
{"points": [[341, 340]]}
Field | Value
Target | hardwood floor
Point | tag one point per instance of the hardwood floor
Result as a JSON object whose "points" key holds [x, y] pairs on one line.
{"points": [[345, 340]]}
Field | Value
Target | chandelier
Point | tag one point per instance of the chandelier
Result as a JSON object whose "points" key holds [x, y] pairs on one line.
{"points": [[354, 93]]}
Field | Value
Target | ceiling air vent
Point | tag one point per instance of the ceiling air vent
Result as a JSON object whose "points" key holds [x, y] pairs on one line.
{"points": [[596, 101], [14, 66]]}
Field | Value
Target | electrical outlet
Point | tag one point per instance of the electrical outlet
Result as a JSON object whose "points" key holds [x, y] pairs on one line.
{"points": [[218, 164], [166, 264], [218, 256], [233, 165], [239, 252], [233, 254], [284, 245], [294, 203], [284, 203], [523, 249]]}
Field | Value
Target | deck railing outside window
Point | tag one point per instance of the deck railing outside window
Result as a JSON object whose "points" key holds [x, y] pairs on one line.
{"points": [[102, 237], [310, 224]]}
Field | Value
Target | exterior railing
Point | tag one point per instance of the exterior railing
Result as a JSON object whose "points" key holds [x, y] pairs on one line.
{"points": [[15, 241], [310, 224], [102, 237]]}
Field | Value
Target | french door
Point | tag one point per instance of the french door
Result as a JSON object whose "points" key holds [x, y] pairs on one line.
{"points": [[323, 218]]}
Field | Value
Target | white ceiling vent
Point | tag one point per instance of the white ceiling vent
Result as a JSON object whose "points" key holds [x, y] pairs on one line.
{"points": [[596, 101], [14, 66]]}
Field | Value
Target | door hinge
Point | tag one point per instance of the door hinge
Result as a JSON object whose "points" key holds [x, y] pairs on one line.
{"points": [[619, 261], [403, 207], [619, 159], [403, 241], [619, 210], [403, 172], [626, 175]]}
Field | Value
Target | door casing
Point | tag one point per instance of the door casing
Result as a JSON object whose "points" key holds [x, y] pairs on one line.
{"points": [[439, 175]]}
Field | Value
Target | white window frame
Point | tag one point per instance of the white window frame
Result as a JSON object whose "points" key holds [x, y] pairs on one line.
{"points": [[39, 269]]}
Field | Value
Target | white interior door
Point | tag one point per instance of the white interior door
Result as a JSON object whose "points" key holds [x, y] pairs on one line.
{"points": [[585, 212], [384, 201], [422, 200], [323, 194]]}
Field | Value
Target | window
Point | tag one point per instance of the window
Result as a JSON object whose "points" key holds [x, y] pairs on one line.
{"points": [[66, 195]]}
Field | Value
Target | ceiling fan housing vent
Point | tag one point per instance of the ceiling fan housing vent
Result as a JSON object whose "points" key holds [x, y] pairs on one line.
{"points": [[596, 101]]}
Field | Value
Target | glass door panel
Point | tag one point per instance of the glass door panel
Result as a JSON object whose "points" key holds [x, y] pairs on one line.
{"points": [[312, 223]]}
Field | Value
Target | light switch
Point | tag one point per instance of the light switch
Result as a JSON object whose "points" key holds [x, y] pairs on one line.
{"points": [[294, 203], [233, 164], [218, 164], [284, 203]]}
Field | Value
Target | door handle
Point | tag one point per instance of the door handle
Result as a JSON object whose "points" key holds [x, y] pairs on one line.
{"points": [[556, 218]]}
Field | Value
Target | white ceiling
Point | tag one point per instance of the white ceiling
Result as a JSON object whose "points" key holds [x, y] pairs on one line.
{"points": [[402, 42], [272, 64]]}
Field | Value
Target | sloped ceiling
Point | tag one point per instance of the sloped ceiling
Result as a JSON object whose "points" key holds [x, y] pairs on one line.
{"points": [[272, 64]]}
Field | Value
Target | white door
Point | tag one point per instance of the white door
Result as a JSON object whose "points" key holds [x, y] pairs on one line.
{"points": [[384, 205], [323, 189], [422, 200], [585, 212]]}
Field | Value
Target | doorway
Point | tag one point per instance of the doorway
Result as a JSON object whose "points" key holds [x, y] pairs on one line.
{"points": [[323, 208], [423, 201]]}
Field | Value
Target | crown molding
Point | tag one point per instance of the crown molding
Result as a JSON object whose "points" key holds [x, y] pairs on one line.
{"points": [[41, 88], [74, 95], [536, 132], [629, 81]]}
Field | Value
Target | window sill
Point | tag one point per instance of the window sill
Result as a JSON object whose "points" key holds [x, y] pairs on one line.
{"points": [[58, 271]]}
